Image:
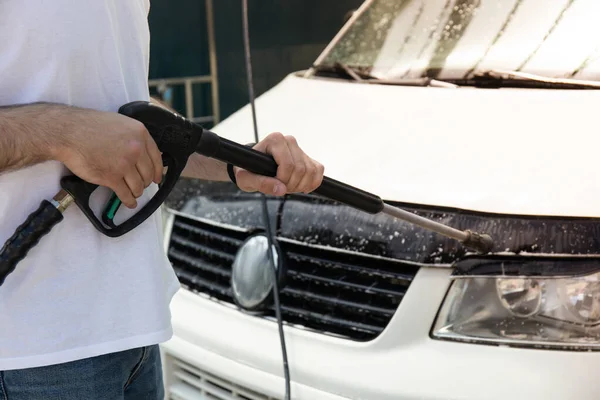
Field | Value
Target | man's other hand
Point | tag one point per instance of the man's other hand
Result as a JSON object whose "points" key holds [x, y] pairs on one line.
{"points": [[296, 172]]}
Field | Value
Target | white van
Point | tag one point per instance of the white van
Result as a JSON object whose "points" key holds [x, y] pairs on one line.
{"points": [[480, 114]]}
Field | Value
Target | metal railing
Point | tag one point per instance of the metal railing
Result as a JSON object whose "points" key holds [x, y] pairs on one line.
{"points": [[163, 85]]}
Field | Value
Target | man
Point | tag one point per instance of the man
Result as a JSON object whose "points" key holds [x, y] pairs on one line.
{"points": [[82, 314]]}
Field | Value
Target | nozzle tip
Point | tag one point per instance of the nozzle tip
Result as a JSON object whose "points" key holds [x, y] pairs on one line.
{"points": [[481, 243]]}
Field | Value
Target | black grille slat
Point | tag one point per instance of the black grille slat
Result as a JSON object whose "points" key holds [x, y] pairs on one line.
{"points": [[360, 270], [203, 249], [330, 321], [196, 283], [369, 289], [210, 234], [200, 264], [207, 239], [334, 302], [328, 291]]}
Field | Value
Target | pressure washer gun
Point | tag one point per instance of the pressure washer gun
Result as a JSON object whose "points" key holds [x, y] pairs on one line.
{"points": [[177, 139]]}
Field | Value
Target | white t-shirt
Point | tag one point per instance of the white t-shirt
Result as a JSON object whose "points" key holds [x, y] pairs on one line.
{"points": [[78, 293]]}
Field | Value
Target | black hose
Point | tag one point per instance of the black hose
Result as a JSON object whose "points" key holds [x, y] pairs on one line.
{"points": [[267, 222]]}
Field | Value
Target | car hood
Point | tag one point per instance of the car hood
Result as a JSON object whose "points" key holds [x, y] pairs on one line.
{"points": [[513, 151]]}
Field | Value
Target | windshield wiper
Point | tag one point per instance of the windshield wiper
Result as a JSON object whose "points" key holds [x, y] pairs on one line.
{"points": [[359, 74], [493, 78], [507, 78]]}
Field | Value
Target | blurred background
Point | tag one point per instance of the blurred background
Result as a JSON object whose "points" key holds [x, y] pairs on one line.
{"points": [[285, 36]]}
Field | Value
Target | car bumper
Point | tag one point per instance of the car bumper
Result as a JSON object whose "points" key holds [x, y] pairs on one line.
{"points": [[402, 363]]}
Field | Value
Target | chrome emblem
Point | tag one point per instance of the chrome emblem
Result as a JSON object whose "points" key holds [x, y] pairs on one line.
{"points": [[252, 277]]}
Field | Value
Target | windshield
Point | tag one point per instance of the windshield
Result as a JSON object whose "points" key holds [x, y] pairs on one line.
{"points": [[455, 39]]}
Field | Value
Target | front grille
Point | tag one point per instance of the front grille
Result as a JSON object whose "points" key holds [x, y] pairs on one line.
{"points": [[188, 382], [329, 291]]}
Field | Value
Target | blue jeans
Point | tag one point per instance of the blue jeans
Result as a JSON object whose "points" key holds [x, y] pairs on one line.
{"points": [[127, 375]]}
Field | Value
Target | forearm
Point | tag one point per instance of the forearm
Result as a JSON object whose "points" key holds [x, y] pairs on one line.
{"points": [[201, 167], [30, 134]]}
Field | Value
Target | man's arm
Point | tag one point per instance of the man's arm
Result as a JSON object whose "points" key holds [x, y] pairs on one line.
{"points": [[201, 167], [25, 135], [103, 148]]}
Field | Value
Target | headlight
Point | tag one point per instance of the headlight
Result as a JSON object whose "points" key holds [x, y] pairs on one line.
{"points": [[561, 311], [522, 297]]}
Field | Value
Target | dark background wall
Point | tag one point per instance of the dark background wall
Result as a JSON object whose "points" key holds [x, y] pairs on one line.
{"points": [[285, 36]]}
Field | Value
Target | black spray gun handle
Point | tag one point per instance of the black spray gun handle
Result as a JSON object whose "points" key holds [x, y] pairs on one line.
{"points": [[211, 145]]}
